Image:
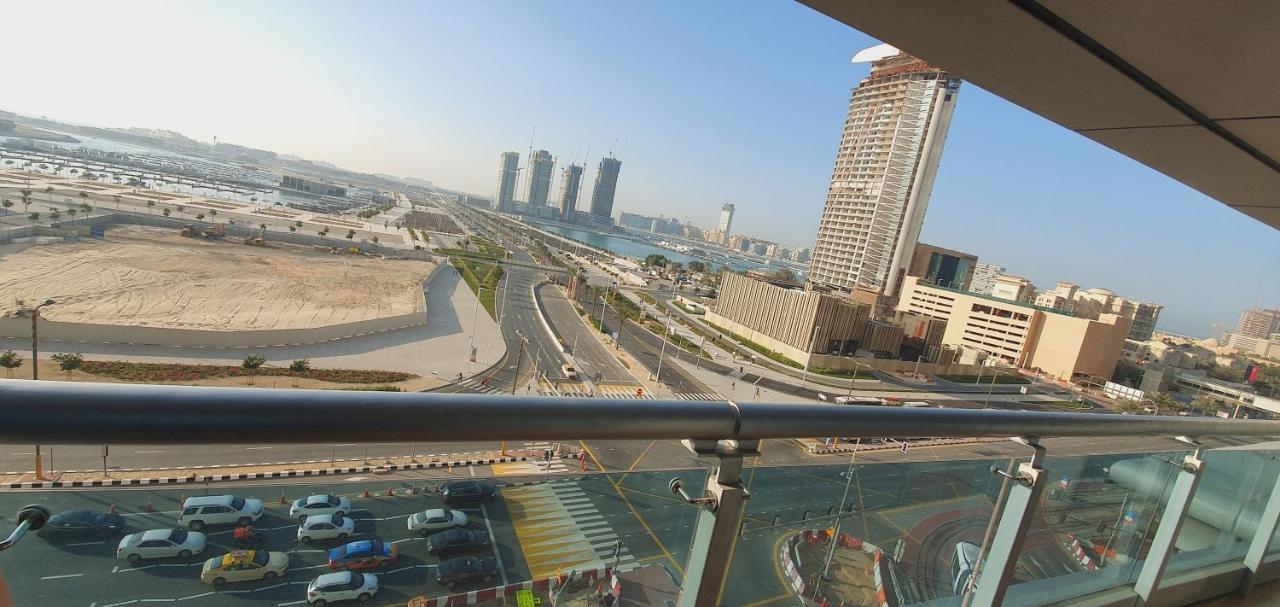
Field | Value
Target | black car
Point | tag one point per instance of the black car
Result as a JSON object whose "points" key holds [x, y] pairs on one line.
{"points": [[459, 493], [465, 569], [82, 523], [457, 540]]}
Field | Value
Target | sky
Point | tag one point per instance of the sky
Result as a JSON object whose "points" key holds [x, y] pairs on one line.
{"points": [[704, 103]]}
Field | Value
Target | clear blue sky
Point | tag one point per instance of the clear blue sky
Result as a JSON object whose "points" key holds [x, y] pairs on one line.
{"points": [[705, 102]]}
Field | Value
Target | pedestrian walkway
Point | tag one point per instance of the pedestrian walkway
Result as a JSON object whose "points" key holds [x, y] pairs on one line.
{"points": [[560, 529], [537, 464], [615, 391], [706, 396], [473, 384]]}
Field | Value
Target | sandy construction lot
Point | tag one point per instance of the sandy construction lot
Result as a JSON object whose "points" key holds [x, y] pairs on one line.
{"points": [[154, 278]]}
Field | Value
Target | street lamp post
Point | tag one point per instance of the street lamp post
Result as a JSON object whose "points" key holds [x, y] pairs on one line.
{"points": [[853, 379], [916, 374], [991, 388], [35, 364], [813, 343], [658, 376]]}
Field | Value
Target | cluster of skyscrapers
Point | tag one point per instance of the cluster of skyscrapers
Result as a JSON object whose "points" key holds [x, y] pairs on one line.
{"points": [[537, 186]]}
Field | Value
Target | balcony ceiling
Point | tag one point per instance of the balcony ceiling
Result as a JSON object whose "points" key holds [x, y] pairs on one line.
{"points": [[1187, 87]]}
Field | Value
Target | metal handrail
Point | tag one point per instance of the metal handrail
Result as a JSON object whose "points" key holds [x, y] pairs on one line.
{"points": [[65, 412], [34, 412]]}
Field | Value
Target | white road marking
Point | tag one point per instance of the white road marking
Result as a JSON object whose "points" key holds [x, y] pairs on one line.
{"points": [[144, 567], [157, 451], [124, 603], [85, 544], [311, 567], [399, 570], [59, 577], [157, 600], [290, 603], [501, 569], [271, 587], [257, 448], [195, 596]]}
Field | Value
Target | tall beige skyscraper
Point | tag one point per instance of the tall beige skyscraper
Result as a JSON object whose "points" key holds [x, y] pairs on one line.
{"points": [[508, 172], [884, 170]]}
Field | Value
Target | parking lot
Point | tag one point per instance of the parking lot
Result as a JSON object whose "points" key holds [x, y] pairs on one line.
{"points": [[86, 571]]}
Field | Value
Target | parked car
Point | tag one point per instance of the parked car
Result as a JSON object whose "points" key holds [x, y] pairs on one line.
{"points": [[341, 586], [244, 566], [82, 523], [466, 569], [326, 527], [319, 504], [160, 544], [364, 554], [436, 520], [219, 510], [461, 493], [568, 371], [457, 540]]}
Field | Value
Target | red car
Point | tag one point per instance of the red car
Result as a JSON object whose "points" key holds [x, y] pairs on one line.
{"points": [[364, 554]]}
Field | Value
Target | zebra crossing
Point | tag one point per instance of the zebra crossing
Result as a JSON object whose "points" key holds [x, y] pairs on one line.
{"points": [[536, 464], [478, 387], [560, 529]]}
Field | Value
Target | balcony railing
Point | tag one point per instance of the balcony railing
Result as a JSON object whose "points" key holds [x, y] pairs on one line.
{"points": [[1026, 503]]}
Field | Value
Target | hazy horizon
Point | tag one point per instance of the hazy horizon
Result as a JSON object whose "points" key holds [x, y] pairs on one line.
{"points": [[703, 103]]}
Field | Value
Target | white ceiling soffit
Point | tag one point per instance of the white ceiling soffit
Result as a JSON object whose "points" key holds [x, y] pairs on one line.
{"points": [[1187, 87]]}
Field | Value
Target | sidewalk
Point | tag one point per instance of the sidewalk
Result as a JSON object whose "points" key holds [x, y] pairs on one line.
{"points": [[167, 476]]}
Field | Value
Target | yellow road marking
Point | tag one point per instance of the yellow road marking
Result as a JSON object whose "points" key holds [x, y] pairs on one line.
{"points": [[770, 600], [640, 457], [633, 510]]}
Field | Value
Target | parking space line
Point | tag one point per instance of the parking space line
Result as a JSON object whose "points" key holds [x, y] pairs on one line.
{"points": [[85, 544], [195, 596], [502, 570], [281, 585], [59, 577]]}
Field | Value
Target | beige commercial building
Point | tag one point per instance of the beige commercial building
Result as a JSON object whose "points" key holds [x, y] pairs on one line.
{"points": [[1020, 334], [884, 171], [793, 322]]}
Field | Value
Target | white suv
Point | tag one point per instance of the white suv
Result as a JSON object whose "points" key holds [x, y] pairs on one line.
{"points": [[219, 510]]}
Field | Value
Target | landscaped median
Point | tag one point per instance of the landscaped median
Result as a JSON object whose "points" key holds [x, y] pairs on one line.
{"points": [[252, 372], [202, 474]]}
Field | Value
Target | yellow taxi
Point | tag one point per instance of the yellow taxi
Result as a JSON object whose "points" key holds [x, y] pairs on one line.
{"points": [[244, 566]]}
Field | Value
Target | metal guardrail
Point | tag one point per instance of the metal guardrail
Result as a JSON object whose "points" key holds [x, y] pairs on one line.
{"points": [[95, 413]]}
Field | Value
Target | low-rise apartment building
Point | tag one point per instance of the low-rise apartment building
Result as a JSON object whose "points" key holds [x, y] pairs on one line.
{"points": [[1018, 333]]}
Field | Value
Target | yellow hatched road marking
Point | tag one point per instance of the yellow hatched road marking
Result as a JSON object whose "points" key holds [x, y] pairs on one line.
{"points": [[548, 535]]}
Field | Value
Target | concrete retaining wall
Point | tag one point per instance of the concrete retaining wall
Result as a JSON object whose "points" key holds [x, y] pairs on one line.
{"points": [[158, 336], [242, 230]]}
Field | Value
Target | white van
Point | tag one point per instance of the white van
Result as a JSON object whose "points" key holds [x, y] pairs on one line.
{"points": [[962, 567], [219, 510], [916, 403]]}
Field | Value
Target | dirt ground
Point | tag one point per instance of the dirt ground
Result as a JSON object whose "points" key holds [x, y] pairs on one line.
{"points": [[153, 277]]}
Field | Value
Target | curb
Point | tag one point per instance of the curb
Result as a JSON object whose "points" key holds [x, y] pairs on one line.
{"points": [[850, 447], [193, 478]]}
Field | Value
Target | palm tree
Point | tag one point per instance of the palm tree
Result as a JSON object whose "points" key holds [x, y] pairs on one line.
{"points": [[72, 213], [213, 212], [166, 212], [116, 197], [151, 204], [34, 217], [6, 204], [1162, 400], [84, 194], [375, 240], [199, 216], [293, 229], [263, 227], [55, 215]]}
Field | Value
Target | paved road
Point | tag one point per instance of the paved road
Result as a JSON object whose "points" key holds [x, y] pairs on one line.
{"points": [[592, 356]]}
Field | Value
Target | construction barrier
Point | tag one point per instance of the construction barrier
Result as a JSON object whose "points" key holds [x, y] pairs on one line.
{"points": [[791, 566]]}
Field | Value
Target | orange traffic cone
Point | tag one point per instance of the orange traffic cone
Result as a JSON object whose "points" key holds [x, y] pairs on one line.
{"points": [[413, 489], [149, 506], [113, 508], [282, 500], [366, 493], [389, 492]]}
